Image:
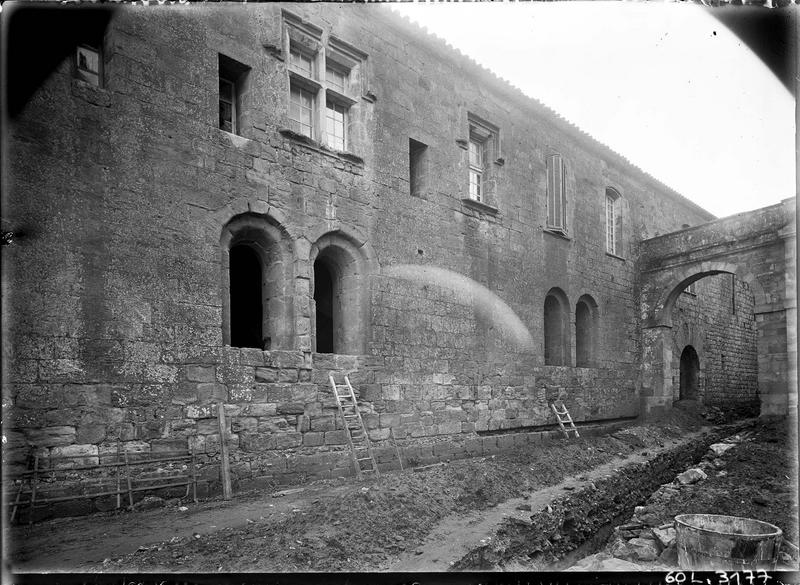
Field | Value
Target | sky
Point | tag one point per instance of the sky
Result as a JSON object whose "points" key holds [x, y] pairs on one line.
{"points": [[664, 84]]}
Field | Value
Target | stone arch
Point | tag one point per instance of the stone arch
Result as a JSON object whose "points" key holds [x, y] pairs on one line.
{"points": [[340, 265], [661, 310], [556, 328], [271, 245], [586, 332]]}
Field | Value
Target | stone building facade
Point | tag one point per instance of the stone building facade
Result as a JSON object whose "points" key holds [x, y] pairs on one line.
{"points": [[229, 205]]}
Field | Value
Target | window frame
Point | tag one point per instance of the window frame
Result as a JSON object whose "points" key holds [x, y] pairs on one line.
{"points": [[302, 89], [326, 54], [333, 105], [613, 213], [80, 73], [554, 171], [483, 140], [232, 102], [476, 169], [234, 73]]}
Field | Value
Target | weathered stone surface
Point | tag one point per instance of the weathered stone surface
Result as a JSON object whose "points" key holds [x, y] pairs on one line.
{"points": [[665, 536], [643, 549], [720, 448], [51, 436], [125, 322], [604, 562], [691, 476]]}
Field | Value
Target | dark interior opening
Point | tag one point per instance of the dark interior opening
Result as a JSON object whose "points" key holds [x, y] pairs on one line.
{"points": [[554, 354], [247, 310], [690, 369], [323, 297], [583, 335]]}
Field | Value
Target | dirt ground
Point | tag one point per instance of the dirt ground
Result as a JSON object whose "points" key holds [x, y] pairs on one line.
{"points": [[412, 520]]}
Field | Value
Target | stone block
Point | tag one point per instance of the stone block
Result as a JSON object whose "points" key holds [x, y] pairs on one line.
{"points": [[322, 423], [335, 437], [266, 375], [90, 433], [262, 409], [243, 423], [312, 439], [288, 440], [291, 408], [201, 374], [51, 436]]}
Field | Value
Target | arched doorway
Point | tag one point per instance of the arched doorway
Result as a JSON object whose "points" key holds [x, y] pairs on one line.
{"points": [[690, 373]]}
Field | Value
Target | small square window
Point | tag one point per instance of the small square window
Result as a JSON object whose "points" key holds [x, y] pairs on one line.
{"points": [[88, 64]]}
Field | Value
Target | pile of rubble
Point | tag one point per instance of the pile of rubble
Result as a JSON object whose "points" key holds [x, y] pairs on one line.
{"points": [[647, 541]]}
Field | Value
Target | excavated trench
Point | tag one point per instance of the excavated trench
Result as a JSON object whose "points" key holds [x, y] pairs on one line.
{"points": [[578, 523]]}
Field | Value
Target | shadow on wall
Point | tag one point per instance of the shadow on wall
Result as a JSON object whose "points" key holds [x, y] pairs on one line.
{"points": [[485, 303]]}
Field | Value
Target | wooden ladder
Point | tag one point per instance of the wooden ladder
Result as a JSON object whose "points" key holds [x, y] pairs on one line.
{"points": [[564, 419], [356, 432]]}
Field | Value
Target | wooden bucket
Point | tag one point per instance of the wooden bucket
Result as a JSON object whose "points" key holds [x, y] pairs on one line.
{"points": [[711, 542]]}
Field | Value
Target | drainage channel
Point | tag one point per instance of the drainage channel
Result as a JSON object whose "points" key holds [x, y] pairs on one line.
{"points": [[578, 524]]}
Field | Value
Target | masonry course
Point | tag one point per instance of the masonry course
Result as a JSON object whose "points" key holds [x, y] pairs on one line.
{"points": [[115, 312]]}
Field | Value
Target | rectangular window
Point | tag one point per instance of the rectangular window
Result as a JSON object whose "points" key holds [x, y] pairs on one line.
{"points": [[336, 125], [301, 110], [302, 61], [227, 105], [88, 64], [613, 222], [733, 294], [611, 245], [232, 78], [417, 167], [476, 156], [556, 194], [336, 78]]}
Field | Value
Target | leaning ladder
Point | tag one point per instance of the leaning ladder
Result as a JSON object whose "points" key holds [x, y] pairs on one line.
{"points": [[356, 432], [564, 419]]}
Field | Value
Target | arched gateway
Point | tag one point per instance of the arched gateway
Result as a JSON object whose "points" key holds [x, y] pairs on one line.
{"points": [[759, 248]]}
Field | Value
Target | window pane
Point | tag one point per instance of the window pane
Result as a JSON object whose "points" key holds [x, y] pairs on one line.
{"points": [[302, 62], [225, 116], [225, 90], [475, 154], [301, 110], [335, 126], [475, 185], [335, 78], [88, 60]]}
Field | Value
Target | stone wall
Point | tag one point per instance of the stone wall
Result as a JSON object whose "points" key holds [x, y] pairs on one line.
{"points": [[719, 324], [115, 300]]}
